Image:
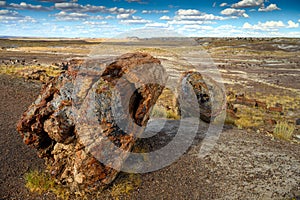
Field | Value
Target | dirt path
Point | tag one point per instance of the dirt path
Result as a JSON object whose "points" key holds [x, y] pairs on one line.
{"points": [[241, 166]]}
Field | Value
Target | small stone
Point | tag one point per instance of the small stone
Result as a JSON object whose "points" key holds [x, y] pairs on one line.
{"points": [[79, 178]]}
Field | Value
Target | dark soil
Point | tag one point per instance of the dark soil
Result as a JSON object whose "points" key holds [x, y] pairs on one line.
{"points": [[15, 157]]}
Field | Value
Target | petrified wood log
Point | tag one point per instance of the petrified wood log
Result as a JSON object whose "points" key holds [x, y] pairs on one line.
{"points": [[209, 99], [86, 121]]}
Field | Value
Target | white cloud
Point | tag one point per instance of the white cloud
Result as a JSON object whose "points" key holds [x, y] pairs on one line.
{"points": [[123, 16], [27, 19], [292, 24], [64, 16], [270, 7], [188, 12], [94, 23], [223, 4], [2, 3], [194, 15], [267, 26], [157, 25], [25, 6], [198, 27], [155, 11], [134, 20], [56, 1], [67, 6], [270, 25], [75, 7], [109, 17], [165, 18], [247, 3], [8, 16], [234, 12], [186, 22]]}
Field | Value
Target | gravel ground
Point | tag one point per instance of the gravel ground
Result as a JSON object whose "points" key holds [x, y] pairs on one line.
{"points": [[243, 165], [15, 158]]}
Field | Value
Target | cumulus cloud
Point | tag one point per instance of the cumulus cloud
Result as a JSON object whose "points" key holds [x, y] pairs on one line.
{"points": [[92, 23], [247, 3], [165, 18], [123, 16], [157, 25], [234, 12], [9, 13], [2, 3], [25, 6], [223, 4], [75, 7], [267, 26], [197, 27], [292, 24], [134, 20], [270, 7], [188, 12], [109, 17], [8, 16], [154, 11], [56, 1], [195, 15], [64, 16], [192, 16]]}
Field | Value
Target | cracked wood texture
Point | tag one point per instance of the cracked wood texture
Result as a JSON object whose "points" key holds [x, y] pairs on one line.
{"points": [[85, 122]]}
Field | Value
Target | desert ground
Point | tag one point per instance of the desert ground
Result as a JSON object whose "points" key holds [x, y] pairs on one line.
{"points": [[250, 159]]}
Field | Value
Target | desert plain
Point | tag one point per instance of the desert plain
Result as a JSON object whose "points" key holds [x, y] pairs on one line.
{"points": [[257, 155]]}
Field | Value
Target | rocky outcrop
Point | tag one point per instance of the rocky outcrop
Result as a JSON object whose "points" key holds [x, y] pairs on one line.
{"points": [[86, 121]]}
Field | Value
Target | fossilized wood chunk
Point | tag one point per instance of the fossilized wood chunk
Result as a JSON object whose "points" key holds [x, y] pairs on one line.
{"points": [[209, 98], [86, 121]]}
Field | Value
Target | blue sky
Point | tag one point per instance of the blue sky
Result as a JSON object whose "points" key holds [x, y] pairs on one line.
{"points": [[148, 18]]}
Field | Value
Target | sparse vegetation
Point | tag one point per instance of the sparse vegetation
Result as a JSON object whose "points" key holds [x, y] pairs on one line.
{"points": [[162, 112], [229, 120], [41, 182], [249, 117], [125, 185], [49, 70], [284, 130]]}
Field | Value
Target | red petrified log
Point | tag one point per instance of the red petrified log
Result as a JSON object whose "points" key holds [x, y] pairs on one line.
{"points": [[209, 96], [86, 121]]}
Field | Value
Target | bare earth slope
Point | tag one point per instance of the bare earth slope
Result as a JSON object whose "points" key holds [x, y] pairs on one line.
{"points": [[241, 166]]}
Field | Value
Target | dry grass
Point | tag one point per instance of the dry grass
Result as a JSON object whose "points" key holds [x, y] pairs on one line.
{"points": [[40, 182], [51, 71], [249, 117], [162, 112], [125, 185], [284, 130]]}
